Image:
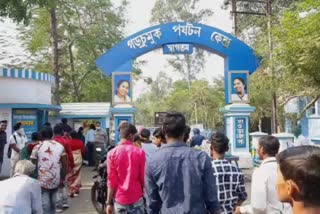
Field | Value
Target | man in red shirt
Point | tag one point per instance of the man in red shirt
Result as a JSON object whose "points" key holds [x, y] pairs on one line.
{"points": [[126, 168]]}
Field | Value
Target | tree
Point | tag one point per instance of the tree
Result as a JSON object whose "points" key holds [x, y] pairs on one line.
{"points": [[182, 10]]}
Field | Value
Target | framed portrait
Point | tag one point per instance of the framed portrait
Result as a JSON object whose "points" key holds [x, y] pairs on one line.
{"points": [[238, 86], [121, 88]]}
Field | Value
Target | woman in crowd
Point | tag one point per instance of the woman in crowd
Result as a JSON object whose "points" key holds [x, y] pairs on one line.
{"points": [[137, 140], [81, 136], [78, 151], [159, 137], [298, 178]]}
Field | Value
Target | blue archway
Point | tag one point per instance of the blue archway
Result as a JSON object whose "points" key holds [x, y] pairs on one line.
{"points": [[237, 55]]}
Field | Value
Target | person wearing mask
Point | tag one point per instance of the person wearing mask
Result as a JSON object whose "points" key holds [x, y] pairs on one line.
{"points": [[3, 140], [17, 142], [21, 193], [146, 144], [90, 144], [197, 138], [158, 137], [228, 177], [126, 171], [78, 151], [264, 198], [179, 179], [298, 179], [52, 168]]}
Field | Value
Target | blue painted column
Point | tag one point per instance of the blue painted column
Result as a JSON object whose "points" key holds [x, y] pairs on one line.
{"points": [[237, 130]]}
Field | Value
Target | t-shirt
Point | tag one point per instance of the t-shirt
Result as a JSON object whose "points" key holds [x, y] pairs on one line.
{"points": [[48, 153], [149, 149], [20, 142]]}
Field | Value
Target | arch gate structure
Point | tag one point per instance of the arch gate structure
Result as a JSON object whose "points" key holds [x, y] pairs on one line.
{"points": [[181, 38]]}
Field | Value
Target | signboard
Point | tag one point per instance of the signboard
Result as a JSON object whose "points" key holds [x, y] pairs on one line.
{"points": [[28, 119], [178, 49], [159, 118], [240, 133]]}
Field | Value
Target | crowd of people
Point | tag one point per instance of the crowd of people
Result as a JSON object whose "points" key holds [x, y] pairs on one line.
{"points": [[160, 172]]}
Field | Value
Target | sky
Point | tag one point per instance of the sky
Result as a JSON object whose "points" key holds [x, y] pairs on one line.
{"points": [[138, 14]]}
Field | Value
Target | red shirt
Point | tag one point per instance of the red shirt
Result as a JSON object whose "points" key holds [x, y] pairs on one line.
{"points": [[65, 143], [126, 165], [76, 144]]}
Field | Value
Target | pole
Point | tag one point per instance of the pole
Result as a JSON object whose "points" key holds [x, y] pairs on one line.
{"points": [[235, 22]]}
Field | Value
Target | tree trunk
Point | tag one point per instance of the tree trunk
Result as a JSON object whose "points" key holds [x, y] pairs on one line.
{"points": [[55, 53], [188, 71], [260, 124], [73, 73]]}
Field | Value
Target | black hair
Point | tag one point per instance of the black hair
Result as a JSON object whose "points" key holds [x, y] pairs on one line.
{"points": [[126, 129], [80, 130], [47, 124], [158, 133], [17, 126], [301, 164], [58, 129], [122, 81], [187, 133], [145, 135], [64, 120], [46, 133], [74, 135], [136, 137], [242, 81], [92, 126], [219, 143], [4, 121], [35, 136], [270, 145], [174, 125]]}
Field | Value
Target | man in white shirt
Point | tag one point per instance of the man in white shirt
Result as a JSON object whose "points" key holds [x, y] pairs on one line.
{"points": [[17, 141], [264, 199], [21, 194]]}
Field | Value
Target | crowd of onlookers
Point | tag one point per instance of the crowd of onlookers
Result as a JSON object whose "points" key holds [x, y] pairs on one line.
{"points": [[160, 172]]}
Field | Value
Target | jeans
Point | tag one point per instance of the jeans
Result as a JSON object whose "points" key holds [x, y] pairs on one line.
{"points": [[62, 195], [90, 149], [49, 197], [136, 208]]}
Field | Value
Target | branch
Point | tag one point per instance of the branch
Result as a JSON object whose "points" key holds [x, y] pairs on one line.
{"points": [[288, 99], [307, 107]]}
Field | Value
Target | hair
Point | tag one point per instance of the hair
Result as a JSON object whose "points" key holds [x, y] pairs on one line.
{"points": [[98, 123], [302, 165], [242, 81], [136, 138], [35, 136], [64, 120], [74, 135], [219, 143], [25, 167], [270, 145], [174, 125], [58, 129], [80, 130], [158, 133], [126, 129], [4, 121], [187, 133], [17, 126], [122, 81], [46, 133], [92, 126], [196, 131], [47, 124], [145, 135]]}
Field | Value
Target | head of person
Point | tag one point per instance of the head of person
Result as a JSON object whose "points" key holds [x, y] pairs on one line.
{"points": [[18, 128], [268, 146], [92, 126], [80, 130], [145, 135], [58, 130], [123, 88], [219, 144], [159, 137], [137, 140], [299, 176], [196, 131], [35, 137], [64, 120], [24, 167], [46, 133], [47, 124], [239, 85], [3, 125], [174, 126], [98, 126], [187, 134], [74, 135], [127, 131]]}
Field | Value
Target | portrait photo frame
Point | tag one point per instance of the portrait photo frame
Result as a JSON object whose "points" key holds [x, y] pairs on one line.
{"points": [[238, 87], [117, 79]]}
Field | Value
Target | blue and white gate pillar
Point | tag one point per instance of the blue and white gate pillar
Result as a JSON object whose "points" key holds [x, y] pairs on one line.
{"points": [[237, 130], [120, 114]]}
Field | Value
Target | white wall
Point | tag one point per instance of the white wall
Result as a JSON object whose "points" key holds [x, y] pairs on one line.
{"points": [[15, 90]]}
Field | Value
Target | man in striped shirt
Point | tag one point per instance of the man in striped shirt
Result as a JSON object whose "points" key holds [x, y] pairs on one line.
{"points": [[228, 177]]}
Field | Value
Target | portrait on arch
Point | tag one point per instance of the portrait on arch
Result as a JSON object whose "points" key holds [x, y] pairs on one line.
{"points": [[238, 86], [121, 88]]}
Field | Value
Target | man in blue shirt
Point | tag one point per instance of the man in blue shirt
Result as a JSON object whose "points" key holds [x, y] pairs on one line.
{"points": [[197, 138], [180, 179]]}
